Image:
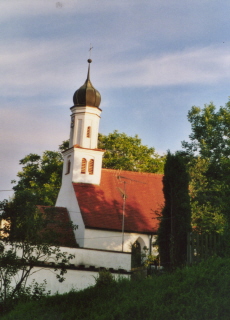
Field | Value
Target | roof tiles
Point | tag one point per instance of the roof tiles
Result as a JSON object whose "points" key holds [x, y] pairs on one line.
{"points": [[102, 206]]}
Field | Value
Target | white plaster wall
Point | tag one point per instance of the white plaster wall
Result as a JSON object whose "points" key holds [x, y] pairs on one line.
{"points": [[67, 199], [80, 279], [90, 116], [92, 257], [111, 240], [74, 279], [93, 121], [100, 258]]}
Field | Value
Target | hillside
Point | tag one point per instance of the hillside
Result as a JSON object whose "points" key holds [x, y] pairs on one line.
{"points": [[193, 293]]}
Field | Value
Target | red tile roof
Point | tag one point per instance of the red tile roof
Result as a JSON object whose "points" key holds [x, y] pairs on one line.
{"points": [[101, 206], [58, 226]]}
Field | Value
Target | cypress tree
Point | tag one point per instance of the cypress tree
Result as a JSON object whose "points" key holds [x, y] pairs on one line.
{"points": [[175, 221]]}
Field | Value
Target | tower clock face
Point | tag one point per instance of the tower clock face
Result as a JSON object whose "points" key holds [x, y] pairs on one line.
{"points": [[72, 122]]}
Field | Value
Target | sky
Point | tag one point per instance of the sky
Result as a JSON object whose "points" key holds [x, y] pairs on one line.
{"points": [[152, 61]]}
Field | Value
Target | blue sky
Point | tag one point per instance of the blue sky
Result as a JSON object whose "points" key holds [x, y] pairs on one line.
{"points": [[152, 61]]}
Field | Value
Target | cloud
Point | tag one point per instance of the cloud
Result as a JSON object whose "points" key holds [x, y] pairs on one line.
{"points": [[17, 8], [192, 66], [45, 67]]}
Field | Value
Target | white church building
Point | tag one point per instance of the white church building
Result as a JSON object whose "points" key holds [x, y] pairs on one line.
{"points": [[113, 210]]}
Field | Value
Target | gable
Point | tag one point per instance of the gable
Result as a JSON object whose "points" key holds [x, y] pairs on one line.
{"points": [[102, 205]]}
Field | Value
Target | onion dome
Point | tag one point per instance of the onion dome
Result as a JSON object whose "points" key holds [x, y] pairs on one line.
{"points": [[87, 95]]}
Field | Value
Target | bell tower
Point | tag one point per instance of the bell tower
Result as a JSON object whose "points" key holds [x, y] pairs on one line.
{"points": [[83, 160], [85, 115]]}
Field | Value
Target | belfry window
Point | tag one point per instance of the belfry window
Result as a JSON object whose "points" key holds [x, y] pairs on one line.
{"points": [[88, 133], [72, 122], [83, 165], [91, 166], [68, 167]]}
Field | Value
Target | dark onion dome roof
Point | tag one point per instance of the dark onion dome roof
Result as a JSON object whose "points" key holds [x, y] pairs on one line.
{"points": [[87, 95]]}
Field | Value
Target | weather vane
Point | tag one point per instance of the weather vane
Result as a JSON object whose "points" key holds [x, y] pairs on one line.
{"points": [[90, 50]]}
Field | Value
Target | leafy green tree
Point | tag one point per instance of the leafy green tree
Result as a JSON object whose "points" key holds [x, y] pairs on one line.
{"points": [[210, 136], [38, 184], [206, 202], [209, 168], [124, 152], [175, 221], [27, 243], [41, 177]]}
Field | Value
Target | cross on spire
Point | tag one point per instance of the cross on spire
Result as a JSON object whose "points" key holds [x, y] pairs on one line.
{"points": [[90, 49]]}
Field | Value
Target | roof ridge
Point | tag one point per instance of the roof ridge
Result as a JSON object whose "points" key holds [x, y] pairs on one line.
{"points": [[133, 172]]}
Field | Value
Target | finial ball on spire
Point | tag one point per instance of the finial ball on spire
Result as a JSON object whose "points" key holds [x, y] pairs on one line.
{"points": [[87, 95]]}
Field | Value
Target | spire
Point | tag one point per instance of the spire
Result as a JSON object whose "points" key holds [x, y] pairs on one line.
{"points": [[88, 75], [87, 95]]}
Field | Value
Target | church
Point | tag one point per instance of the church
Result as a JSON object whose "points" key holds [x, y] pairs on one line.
{"points": [[112, 209]]}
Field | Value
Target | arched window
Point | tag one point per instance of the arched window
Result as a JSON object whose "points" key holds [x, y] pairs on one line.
{"points": [[83, 165], [72, 122], [136, 255], [88, 133], [68, 167], [91, 166]]}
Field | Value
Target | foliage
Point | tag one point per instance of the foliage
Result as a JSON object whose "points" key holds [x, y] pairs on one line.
{"points": [[176, 214], [105, 278], [209, 167], [210, 135], [142, 258], [127, 153], [26, 241], [40, 178], [206, 201], [192, 293], [39, 183], [18, 261], [150, 260], [32, 292]]}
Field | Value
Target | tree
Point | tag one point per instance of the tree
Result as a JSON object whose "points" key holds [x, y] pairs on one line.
{"points": [[124, 152], [175, 219], [41, 177], [209, 167], [206, 202], [39, 183], [22, 256], [210, 136], [27, 240]]}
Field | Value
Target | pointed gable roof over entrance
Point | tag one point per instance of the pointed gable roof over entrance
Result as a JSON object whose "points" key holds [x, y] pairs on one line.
{"points": [[102, 205]]}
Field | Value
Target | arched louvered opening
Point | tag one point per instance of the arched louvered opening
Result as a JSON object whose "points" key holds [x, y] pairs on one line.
{"points": [[68, 167], [88, 133], [83, 165], [91, 166]]}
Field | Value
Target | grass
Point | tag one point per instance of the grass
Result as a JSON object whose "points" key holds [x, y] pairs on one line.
{"points": [[195, 293]]}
